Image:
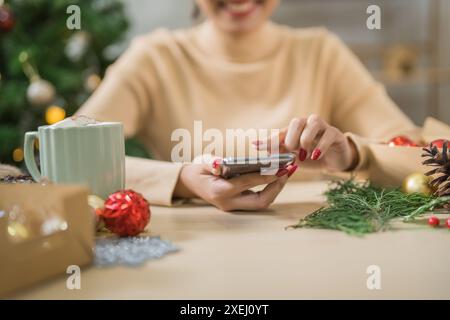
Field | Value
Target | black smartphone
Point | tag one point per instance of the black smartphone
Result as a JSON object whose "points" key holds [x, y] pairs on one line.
{"points": [[231, 167]]}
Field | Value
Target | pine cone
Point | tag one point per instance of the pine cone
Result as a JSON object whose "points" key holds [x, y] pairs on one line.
{"points": [[440, 160]]}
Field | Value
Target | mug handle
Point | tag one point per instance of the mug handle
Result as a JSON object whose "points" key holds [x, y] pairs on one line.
{"points": [[30, 161]]}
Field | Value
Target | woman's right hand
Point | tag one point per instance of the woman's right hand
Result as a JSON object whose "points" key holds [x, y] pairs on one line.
{"points": [[200, 180]]}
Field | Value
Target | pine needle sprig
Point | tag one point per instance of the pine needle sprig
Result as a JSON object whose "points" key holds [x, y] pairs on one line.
{"points": [[361, 208]]}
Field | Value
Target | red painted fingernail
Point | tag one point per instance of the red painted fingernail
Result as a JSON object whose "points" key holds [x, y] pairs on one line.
{"points": [[282, 172], [292, 170], [316, 154], [302, 154], [216, 163], [258, 144]]}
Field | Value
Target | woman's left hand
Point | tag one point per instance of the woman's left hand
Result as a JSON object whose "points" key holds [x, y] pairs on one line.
{"points": [[317, 144]]}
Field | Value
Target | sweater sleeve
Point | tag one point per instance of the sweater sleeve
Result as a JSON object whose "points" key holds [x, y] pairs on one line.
{"points": [[125, 96], [359, 105]]}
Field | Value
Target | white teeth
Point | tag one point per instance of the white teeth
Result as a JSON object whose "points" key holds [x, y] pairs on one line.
{"points": [[240, 7]]}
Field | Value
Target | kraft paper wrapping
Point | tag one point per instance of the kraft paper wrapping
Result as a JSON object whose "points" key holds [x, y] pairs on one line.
{"points": [[43, 230], [389, 166]]}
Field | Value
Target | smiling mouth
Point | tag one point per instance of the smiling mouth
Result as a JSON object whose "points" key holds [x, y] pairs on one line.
{"points": [[239, 8]]}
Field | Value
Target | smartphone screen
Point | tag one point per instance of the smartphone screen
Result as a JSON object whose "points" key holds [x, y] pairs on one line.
{"points": [[232, 167]]}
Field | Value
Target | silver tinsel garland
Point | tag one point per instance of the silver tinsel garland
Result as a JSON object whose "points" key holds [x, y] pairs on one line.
{"points": [[131, 251]]}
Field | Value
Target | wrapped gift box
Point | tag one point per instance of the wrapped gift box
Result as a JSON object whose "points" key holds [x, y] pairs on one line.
{"points": [[43, 230], [389, 166]]}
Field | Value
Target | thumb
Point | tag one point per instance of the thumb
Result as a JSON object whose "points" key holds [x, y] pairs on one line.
{"points": [[210, 163]]}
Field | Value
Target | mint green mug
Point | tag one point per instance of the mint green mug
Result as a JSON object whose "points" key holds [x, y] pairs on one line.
{"points": [[93, 155]]}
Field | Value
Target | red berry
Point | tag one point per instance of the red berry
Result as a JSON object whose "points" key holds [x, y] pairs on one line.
{"points": [[439, 143], [448, 223], [433, 221]]}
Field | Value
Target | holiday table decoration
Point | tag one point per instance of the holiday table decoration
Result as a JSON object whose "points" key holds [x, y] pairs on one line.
{"points": [[131, 251], [358, 208], [389, 166], [16, 179], [126, 213], [97, 204], [43, 230], [438, 143], [51, 234], [402, 141], [8, 170], [440, 160], [417, 183], [433, 221], [392, 161]]}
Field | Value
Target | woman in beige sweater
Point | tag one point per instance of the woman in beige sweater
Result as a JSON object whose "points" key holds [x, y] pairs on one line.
{"points": [[239, 70]]}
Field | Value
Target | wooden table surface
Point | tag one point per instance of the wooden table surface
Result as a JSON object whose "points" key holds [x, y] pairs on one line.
{"points": [[252, 256]]}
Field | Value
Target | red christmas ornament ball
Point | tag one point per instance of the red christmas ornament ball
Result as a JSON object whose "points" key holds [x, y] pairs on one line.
{"points": [[402, 141], [439, 143], [7, 20], [126, 213], [433, 221]]}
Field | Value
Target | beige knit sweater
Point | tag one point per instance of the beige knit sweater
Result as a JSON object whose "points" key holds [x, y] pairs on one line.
{"points": [[167, 80]]}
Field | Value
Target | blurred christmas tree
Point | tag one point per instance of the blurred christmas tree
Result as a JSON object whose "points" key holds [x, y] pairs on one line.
{"points": [[48, 70]]}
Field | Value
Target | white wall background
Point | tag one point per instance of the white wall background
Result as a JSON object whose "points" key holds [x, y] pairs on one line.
{"points": [[150, 14]]}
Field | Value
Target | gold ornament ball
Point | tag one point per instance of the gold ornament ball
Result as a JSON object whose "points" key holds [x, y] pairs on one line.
{"points": [[18, 155], [54, 114], [417, 183], [95, 202], [40, 92]]}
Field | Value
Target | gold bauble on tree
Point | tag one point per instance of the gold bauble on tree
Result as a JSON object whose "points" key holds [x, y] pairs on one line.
{"points": [[417, 183], [17, 155], [54, 114]]}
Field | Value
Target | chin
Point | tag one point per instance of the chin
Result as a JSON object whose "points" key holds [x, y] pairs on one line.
{"points": [[241, 16]]}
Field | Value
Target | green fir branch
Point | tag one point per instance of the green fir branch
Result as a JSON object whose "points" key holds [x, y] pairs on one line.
{"points": [[361, 208]]}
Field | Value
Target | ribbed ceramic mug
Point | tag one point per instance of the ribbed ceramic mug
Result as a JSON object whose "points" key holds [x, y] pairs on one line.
{"points": [[93, 155]]}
